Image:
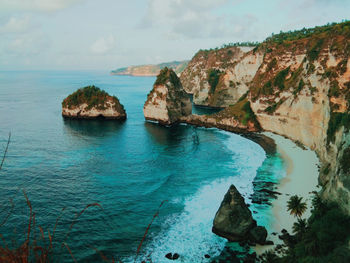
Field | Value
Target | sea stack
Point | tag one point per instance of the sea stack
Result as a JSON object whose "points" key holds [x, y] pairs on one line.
{"points": [[92, 103], [167, 102], [234, 220]]}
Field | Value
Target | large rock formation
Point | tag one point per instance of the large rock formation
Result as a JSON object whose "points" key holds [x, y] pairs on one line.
{"points": [[219, 77], [167, 102], [237, 118], [234, 220], [298, 86], [92, 103]]}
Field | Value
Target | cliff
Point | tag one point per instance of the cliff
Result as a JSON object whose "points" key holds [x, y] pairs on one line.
{"points": [[298, 86], [92, 103], [151, 70], [167, 102], [204, 76]]}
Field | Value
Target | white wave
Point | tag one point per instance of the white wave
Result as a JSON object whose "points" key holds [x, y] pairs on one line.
{"points": [[189, 234]]}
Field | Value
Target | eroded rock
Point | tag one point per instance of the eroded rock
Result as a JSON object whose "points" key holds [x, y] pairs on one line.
{"points": [[234, 220], [92, 103], [167, 102]]}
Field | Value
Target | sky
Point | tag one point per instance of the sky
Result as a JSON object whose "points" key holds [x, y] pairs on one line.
{"points": [[108, 34]]}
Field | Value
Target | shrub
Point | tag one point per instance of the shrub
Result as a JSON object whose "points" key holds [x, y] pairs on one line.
{"points": [[213, 78], [92, 96], [336, 121], [280, 78], [315, 50]]}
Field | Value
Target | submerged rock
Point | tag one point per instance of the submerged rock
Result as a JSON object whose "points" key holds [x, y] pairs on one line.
{"points": [[234, 220], [92, 103], [167, 101]]}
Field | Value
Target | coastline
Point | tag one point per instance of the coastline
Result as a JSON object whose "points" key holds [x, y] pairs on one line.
{"points": [[301, 179]]}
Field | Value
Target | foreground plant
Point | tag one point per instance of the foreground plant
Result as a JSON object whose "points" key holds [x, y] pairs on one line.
{"points": [[296, 206]]}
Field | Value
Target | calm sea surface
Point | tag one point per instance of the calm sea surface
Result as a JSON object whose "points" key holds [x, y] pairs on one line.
{"points": [[128, 168]]}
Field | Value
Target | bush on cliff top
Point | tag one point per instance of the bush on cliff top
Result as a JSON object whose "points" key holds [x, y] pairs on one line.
{"points": [[342, 28], [93, 96], [165, 75]]}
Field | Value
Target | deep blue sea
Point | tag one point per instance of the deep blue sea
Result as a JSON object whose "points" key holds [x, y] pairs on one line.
{"points": [[128, 168]]}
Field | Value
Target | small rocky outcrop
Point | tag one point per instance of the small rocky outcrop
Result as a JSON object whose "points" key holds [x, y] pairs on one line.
{"points": [[92, 103], [167, 102], [234, 220]]}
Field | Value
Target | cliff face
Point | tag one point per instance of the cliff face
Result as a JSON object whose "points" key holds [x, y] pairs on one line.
{"points": [[151, 70], [299, 87], [167, 102], [202, 76], [92, 103]]}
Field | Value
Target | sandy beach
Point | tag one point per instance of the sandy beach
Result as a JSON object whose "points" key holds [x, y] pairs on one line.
{"points": [[301, 179]]}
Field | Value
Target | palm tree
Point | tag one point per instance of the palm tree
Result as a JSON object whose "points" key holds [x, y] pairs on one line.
{"points": [[299, 227], [296, 206]]}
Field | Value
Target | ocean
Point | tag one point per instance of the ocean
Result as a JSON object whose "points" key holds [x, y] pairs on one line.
{"points": [[127, 168]]}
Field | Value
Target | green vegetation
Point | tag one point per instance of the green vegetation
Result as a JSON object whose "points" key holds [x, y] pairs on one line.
{"points": [[213, 78], [93, 96], [280, 78], [336, 121], [165, 75], [299, 88], [249, 114], [240, 111], [334, 90], [344, 162], [323, 238], [296, 206], [342, 28], [271, 64], [267, 88], [312, 54]]}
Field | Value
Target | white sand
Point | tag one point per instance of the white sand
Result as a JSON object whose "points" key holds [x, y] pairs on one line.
{"points": [[301, 179]]}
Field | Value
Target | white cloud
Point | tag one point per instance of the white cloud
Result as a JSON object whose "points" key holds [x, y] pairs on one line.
{"points": [[193, 18], [35, 5], [28, 44], [103, 45], [16, 25]]}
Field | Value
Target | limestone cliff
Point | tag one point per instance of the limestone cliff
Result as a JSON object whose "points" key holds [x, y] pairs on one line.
{"points": [[210, 75], [151, 70], [167, 102], [92, 103], [298, 86]]}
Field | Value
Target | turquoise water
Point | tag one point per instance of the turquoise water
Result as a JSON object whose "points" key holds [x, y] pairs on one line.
{"points": [[128, 168]]}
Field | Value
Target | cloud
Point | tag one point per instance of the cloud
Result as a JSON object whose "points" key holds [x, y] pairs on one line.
{"points": [[193, 18], [103, 45], [28, 44], [16, 24], [35, 5]]}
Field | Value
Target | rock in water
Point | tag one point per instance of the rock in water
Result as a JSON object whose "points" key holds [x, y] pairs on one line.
{"points": [[258, 234], [234, 220], [167, 101], [92, 103]]}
